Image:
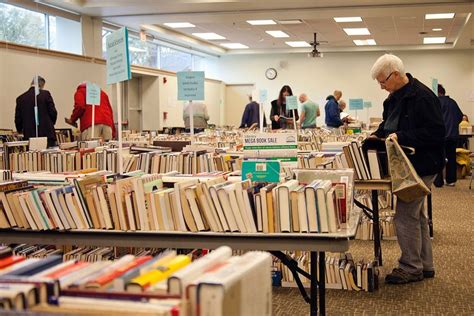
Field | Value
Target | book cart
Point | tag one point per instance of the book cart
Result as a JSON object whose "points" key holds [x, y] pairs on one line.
{"points": [[316, 243]]}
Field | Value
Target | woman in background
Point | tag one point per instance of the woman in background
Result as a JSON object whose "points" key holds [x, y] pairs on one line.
{"points": [[279, 115]]}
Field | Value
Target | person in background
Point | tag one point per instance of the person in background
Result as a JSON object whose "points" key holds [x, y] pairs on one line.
{"points": [[332, 111], [279, 115], [103, 117], [345, 117], [200, 116], [452, 116], [251, 115], [466, 126], [412, 116], [47, 115], [309, 112]]}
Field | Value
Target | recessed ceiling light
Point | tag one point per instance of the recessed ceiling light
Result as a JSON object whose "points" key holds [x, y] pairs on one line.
{"points": [[348, 19], [437, 16], [209, 36], [437, 30], [261, 22], [179, 25], [277, 34], [357, 31], [298, 44], [366, 42], [297, 21], [234, 45], [434, 40]]}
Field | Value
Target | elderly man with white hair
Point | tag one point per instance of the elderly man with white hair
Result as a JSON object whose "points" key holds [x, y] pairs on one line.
{"points": [[412, 115]]}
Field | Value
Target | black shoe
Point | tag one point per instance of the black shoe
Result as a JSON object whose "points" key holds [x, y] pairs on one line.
{"points": [[400, 276], [438, 185], [428, 274]]}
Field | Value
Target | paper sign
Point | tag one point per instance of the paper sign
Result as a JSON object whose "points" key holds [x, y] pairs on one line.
{"points": [[367, 104], [282, 146], [356, 104], [36, 116], [291, 102], [261, 170], [118, 59], [36, 84], [262, 96], [92, 94], [434, 85], [190, 85]]}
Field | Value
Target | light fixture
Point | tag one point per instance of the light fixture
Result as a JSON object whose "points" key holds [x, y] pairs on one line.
{"points": [[179, 25], [357, 31], [439, 16], [434, 40], [348, 19], [261, 22], [209, 36], [277, 34], [298, 44], [142, 36], [366, 42], [234, 46], [289, 22], [437, 29]]}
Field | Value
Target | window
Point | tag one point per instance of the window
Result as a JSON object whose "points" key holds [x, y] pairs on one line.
{"points": [[22, 26], [32, 28], [174, 60], [142, 53]]}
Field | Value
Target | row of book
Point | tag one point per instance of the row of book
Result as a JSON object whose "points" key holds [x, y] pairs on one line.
{"points": [[341, 272], [5, 175], [166, 284], [173, 202], [365, 230]]}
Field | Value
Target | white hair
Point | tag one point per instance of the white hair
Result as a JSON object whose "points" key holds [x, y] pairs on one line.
{"points": [[386, 64]]}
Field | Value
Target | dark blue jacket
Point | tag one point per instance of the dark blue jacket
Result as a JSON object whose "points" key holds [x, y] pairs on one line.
{"points": [[333, 114], [252, 115], [452, 116]]}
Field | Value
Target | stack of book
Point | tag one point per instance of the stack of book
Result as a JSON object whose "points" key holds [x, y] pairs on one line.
{"points": [[166, 284], [173, 202], [387, 227], [341, 272]]}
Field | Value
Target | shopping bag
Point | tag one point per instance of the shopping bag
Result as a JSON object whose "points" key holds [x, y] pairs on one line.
{"points": [[406, 183]]}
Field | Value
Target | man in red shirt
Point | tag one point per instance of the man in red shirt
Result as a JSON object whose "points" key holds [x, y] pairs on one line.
{"points": [[104, 117]]}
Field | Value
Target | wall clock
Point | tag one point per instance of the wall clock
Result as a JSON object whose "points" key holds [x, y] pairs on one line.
{"points": [[271, 73]]}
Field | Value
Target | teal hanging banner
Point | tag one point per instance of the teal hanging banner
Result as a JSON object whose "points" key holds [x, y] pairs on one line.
{"points": [[356, 104], [291, 102], [190, 85], [261, 170], [118, 58]]}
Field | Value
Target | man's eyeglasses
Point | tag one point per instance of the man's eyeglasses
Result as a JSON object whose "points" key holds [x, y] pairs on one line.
{"points": [[386, 79]]}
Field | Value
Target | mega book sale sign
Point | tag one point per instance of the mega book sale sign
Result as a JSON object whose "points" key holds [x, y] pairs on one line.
{"points": [[278, 146]]}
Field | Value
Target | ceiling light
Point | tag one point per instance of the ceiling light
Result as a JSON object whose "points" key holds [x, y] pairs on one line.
{"points": [[297, 21], [366, 42], [438, 16], [277, 34], [209, 36], [434, 40], [437, 30], [234, 45], [261, 22], [357, 31], [179, 25], [298, 44], [348, 19]]}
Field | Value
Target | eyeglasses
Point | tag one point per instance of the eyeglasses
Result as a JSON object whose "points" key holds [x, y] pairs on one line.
{"points": [[386, 79]]}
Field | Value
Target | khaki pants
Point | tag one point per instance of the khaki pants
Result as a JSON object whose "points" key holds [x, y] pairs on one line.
{"points": [[100, 131]]}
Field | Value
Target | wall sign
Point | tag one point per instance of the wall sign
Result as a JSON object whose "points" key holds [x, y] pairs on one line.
{"points": [[118, 59]]}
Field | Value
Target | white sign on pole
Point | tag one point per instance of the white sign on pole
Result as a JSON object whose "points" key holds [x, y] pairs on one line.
{"points": [[118, 58]]}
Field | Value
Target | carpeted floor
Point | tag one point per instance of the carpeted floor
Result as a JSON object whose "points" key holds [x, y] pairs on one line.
{"points": [[451, 292]]}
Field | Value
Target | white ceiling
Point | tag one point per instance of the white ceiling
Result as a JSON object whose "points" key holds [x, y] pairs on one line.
{"points": [[393, 24]]}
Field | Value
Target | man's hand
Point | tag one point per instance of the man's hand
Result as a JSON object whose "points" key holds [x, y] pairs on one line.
{"points": [[393, 137], [68, 121]]}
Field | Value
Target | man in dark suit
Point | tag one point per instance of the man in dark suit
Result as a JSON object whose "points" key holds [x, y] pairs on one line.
{"points": [[25, 113]]}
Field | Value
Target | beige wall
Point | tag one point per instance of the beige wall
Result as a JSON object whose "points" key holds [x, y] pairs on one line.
{"points": [[350, 72]]}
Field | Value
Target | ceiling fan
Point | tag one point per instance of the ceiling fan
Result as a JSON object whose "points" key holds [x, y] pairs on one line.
{"points": [[315, 52]]}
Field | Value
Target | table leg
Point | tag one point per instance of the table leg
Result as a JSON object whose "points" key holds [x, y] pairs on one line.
{"points": [[322, 283], [375, 208], [430, 213], [314, 283]]}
